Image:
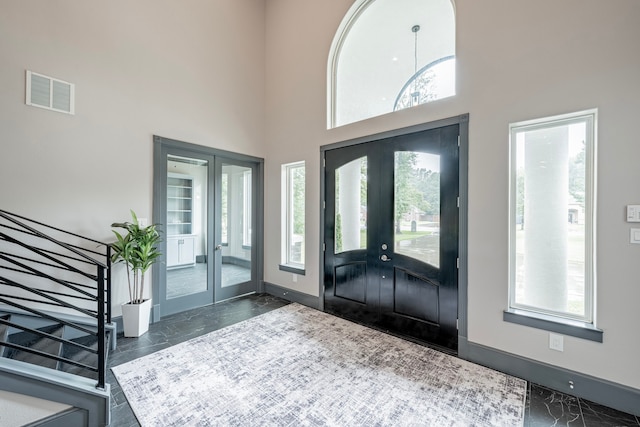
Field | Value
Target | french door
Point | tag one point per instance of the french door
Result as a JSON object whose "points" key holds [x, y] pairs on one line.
{"points": [[235, 213], [391, 234], [206, 203]]}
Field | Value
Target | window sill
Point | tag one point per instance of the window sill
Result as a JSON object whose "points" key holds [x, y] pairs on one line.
{"points": [[558, 325], [295, 270]]}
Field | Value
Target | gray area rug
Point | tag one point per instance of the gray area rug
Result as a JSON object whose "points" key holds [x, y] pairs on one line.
{"points": [[296, 366]]}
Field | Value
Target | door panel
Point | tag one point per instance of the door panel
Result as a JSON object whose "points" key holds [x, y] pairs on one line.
{"points": [[416, 296], [349, 285], [187, 275], [351, 281], [403, 275], [235, 216]]}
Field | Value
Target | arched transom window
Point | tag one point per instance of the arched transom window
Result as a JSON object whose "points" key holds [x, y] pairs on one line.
{"points": [[388, 55]]}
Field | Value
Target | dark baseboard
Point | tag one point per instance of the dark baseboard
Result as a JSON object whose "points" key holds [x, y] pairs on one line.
{"points": [[236, 261], [604, 392], [291, 295]]}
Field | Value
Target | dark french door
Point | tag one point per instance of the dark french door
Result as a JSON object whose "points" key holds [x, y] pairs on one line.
{"points": [[207, 203], [391, 234]]}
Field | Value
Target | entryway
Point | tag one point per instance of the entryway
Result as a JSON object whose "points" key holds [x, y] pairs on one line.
{"points": [[391, 233], [208, 203]]}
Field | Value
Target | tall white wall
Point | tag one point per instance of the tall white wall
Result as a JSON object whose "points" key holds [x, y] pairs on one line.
{"points": [[516, 61], [190, 70]]}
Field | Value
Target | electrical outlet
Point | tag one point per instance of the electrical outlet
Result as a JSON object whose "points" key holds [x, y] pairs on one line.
{"points": [[556, 342], [143, 222], [294, 277]]}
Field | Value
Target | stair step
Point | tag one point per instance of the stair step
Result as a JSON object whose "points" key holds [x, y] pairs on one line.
{"points": [[79, 355], [4, 331], [36, 342]]}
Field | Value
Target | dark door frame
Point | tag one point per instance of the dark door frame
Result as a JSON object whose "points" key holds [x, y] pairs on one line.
{"points": [[161, 146], [463, 122]]}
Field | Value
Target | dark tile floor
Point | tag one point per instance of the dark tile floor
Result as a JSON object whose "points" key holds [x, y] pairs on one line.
{"points": [[544, 407], [192, 279]]}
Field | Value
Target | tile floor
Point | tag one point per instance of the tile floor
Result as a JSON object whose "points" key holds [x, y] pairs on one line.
{"points": [[192, 279], [544, 407]]}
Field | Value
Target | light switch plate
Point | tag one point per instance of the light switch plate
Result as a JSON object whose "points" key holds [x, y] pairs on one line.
{"points": [[634, 236], [633, 213]]}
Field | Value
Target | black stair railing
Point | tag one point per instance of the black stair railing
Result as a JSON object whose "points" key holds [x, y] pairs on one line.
{"points": [[59, 278]]}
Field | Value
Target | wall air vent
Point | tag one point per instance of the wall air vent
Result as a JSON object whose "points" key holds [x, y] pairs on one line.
{"points": [[52, 94]]}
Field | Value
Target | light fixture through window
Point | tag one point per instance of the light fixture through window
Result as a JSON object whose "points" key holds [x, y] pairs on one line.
{"points": [[415, 95]]}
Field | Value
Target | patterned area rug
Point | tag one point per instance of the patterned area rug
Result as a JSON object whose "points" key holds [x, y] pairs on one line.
{"points": [[296, 366]]}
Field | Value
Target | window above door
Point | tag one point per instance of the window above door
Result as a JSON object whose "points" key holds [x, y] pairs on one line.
{"points": [[389, 55]]}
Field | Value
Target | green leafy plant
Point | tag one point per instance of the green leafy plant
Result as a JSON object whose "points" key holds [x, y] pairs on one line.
{"points": [[138, 250]]}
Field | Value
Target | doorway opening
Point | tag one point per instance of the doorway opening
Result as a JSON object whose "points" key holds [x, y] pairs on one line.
{"points": [[395, 231], [208, 203]]}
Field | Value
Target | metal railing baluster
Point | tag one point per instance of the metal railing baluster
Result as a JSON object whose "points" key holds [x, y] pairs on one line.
{"points": [[25, 267]]}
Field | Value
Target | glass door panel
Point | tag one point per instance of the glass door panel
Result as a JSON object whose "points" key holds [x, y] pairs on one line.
{"points": [[186, 226], [236, 225], [351, 206], [235, 247], [417, 206]]}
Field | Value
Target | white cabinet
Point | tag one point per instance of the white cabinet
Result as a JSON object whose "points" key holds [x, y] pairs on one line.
{"points": [[180, 251]]}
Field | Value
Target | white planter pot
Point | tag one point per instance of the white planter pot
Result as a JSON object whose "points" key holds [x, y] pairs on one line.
{"points": [[136, 318]]}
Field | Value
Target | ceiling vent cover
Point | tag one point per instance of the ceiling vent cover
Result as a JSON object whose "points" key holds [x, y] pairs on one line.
{"points": [[49, 93]]}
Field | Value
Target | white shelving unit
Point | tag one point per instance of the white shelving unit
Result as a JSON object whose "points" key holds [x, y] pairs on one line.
{"points": [[180, 240]]}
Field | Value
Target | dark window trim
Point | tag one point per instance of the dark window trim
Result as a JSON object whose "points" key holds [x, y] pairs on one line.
{"points": [[555, 324], [290, 269]]}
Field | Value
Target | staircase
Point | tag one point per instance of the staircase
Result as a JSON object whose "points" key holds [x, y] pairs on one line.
{"points": [[55, 316]]}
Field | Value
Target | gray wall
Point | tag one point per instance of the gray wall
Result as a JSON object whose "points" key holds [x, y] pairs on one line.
{"points": [[192, 71], [250, 76], [516, 61]]}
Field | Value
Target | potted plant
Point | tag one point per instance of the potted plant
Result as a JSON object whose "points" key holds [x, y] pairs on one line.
{"points": [[138, 251]]}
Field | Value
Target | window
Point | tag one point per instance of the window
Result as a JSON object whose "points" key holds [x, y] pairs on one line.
{"points": [[389, 55], [552, 199], [293, 194]]}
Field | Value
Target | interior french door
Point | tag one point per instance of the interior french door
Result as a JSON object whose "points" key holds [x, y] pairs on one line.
{"points": [[206, 203], [391, 234], [235, 212], [186, 279]]}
